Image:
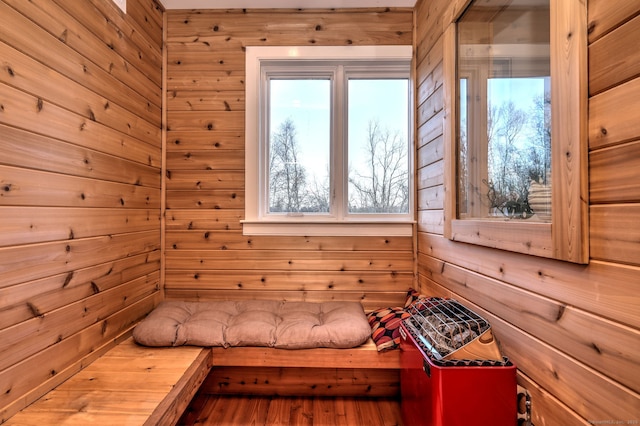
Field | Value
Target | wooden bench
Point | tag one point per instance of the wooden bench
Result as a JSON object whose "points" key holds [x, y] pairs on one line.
{"points": [[266, 370], [136, 385], [360, 371], [128, 385]]}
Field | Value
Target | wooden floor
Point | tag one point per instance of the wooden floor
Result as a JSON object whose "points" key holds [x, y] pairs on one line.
{"points": [[275, 410]]}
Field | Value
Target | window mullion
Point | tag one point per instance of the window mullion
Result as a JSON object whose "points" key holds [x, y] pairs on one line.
{"points": [[339, 157], [263, 146]]}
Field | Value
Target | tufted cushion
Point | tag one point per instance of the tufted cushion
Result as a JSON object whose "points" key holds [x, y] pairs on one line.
{"points": [[288, 325]]}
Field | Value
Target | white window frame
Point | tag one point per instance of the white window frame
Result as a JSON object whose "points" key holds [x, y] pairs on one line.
{"points": [[257, 221]]}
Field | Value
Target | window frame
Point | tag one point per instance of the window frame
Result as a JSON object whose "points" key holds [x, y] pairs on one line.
{"points": [[257, 221], [566, 237]]}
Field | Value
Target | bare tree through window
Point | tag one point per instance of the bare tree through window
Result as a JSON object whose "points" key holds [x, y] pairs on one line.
{"points": [[382, 185], [377, 185], [287, 177], [519, 147]]}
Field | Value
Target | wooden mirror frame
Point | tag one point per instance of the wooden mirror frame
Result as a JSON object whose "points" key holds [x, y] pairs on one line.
{"points": [[566, 237]]}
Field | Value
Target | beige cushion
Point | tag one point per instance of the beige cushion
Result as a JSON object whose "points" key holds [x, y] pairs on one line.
{"points": [[288, 325]]}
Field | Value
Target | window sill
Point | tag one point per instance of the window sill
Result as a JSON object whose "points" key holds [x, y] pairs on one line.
{"points": [[354, 229], [514, 235]]}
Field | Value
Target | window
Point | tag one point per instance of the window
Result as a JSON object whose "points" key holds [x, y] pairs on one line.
{"points": [[515, 89], [329, 141], [504, 138]]}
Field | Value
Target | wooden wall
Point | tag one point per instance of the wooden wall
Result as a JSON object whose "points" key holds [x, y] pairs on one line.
{"points": [[207, 255], [81, 197], [572, 330], [80, 187]]}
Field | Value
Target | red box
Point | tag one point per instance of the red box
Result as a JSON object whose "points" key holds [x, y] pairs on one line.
{"points": [[454, 395]]}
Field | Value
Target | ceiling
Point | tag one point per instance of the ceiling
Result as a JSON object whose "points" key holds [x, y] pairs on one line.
{"points": [[283, 4]]}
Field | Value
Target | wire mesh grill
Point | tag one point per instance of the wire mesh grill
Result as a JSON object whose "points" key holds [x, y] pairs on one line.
{"points": [[444, 325]]}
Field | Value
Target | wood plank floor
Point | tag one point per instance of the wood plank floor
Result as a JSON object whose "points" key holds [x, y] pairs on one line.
{"points": [[227, 410]]}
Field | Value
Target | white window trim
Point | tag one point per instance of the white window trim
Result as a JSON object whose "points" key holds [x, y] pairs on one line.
{"points": [[254, 223]]}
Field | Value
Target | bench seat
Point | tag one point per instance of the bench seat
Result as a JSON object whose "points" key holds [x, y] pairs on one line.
{"points": [[128, 385], [360, 371], [362, 356]]}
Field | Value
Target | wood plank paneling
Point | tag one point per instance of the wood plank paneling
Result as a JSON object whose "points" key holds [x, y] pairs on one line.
{"points": [[113, 57], [33, 188], [614, 59], [205, 140], [430, 73], [147, 17], [220, 240], [80, 135], [38, 297], [29, 262], [207, 255], [21, 148], [216, 199], [303, 381], [30, 337], [431, 198], [204, 219], [225, 121], [197, 100], [203, 180], [32, 113], [430, 151], [333, 27], [308, 280], [369, 300], [431, 106], [549, 410], [232, 80], [24, 35], [606, 15], [432, 129], [431, 175], [364, 356], [117, 38], [29, 75], [30, 225], [143, 29], [621, 186], [343, 261], [216, 159], [609, 125], [615, 233], [570, 329]]}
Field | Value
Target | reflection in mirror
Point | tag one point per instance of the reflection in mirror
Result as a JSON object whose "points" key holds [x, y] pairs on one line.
{"points": [[504, 127]]}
